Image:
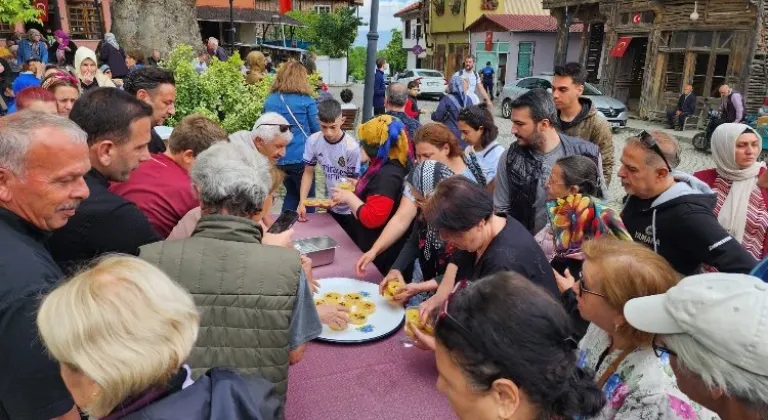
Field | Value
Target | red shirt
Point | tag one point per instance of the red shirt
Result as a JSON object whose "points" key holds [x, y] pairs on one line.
{"points": [[162, 190]]}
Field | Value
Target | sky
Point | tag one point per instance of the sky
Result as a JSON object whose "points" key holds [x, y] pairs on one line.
{"points": [[387, 8]]}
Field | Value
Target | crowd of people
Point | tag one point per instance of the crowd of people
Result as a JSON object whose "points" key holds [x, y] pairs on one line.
{"points": [[165, 295]]}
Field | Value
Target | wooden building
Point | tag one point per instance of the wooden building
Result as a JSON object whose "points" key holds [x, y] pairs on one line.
{"points": [[644, 52]]}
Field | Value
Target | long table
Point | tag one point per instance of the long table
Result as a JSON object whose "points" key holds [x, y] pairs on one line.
{"points": [[374, 381]]}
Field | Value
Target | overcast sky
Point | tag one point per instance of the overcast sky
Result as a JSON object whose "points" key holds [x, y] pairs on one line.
{"points": [[387, 8]]}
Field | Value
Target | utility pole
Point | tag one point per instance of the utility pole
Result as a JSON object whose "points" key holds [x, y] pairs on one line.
{"points": [[232, 29], [370, 61]]}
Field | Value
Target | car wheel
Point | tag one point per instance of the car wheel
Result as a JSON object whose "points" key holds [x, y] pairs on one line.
{"points": [[700, 142], [506, 108]]}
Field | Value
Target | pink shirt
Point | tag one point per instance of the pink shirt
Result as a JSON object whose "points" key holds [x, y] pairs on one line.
{"points": [[162, 190]]}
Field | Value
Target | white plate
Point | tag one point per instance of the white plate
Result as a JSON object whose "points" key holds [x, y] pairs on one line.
{"points": [[386, 320]]}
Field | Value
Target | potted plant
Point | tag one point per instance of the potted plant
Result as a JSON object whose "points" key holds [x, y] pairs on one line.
{"points": [[456, 7]]}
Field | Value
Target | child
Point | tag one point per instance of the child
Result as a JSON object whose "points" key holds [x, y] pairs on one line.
{"points": [[337, 152], [346, 99], [412, 104]]}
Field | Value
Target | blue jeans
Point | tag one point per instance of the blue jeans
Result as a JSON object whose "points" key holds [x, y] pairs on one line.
{"points": [[292, 183]]}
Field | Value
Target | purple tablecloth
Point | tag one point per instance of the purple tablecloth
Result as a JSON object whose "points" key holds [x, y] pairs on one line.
{"points": [[375, 381]]}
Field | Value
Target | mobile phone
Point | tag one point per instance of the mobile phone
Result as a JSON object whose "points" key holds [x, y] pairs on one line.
{"points": [[284, 222]]}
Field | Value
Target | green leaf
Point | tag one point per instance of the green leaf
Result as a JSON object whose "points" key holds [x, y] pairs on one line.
{"points": [[12, 11]]}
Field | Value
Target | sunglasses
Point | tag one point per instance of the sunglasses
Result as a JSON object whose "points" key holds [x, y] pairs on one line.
{"points": [[660, 350], [584, 289], [649, 142], [283, 127]]}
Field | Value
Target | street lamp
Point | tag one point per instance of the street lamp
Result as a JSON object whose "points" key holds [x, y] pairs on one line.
{"points": [[370, 61], [232, 26]]}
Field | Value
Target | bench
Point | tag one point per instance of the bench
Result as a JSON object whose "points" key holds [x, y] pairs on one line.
{"points": [[350, 120]]}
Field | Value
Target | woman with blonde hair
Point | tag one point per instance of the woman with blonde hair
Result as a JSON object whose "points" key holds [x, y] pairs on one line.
{"points": [[257, 65], [292, 98], [636, 383], [122, 331]]}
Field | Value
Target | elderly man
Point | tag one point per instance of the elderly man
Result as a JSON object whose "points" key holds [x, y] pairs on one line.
{"points": [[270, 136], [254, 299], [671, 212], [118, 127], [161, 187], [713, 329], [686, 106], [214, 50], [44, 158], [397, 96], [731, 109]]}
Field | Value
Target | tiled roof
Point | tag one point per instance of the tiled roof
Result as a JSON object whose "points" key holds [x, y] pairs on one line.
{"points": [[409, 8], [525, 23], [242, 15]]}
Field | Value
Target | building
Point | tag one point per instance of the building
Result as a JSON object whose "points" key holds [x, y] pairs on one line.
{"points": [[643, 53], [414, 41], [81, 19], [519, 46]]}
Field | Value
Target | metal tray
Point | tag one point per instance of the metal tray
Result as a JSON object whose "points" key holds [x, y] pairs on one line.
{"points": [[320, 249]]}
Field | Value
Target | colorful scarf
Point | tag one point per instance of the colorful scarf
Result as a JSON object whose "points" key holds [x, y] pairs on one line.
{"points": [[388, 135], [60, 78], [577, 218], [64, 39]]}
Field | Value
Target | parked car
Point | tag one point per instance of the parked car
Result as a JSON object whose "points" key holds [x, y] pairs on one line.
{"points": [[612, 109], [433, 82]]}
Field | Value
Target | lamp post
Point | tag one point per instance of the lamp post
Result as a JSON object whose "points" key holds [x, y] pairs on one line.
{"points": [[232, 29], [370, 61]]}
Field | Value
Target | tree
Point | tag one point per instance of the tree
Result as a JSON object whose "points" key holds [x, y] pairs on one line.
{"points": [[150, 24], [330, 34], [356, 62], [12, 11], [394, 53]]}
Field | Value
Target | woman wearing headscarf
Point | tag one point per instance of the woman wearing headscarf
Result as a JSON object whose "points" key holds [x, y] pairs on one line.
{"points": [[742, 205], [451, 104], [257, 64], [89, 75], [62, 51], [377, 194], [112, 54], [32, 47]]}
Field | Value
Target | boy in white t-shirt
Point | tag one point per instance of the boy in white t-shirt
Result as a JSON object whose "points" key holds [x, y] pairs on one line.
{"points": [[337, 152]]}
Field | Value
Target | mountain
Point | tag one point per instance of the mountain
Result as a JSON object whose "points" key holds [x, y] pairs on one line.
{"points": [[385, 35]]}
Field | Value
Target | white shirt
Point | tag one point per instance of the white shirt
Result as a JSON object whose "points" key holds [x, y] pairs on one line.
{"points": [[338, 160], [488, 158], [348, 106], [473, 80]]}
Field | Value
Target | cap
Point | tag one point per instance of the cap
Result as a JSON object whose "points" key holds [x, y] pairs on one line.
{"points": [[726, 313]]}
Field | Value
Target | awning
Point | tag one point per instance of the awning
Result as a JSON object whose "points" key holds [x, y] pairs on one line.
{"points": [[621, 46], [243, 15]]}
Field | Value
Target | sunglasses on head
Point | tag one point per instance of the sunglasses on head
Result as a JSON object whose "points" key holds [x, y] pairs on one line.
{"points": [[649, 142], [283, 127]]}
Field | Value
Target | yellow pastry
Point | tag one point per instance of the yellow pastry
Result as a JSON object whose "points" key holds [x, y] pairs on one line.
{"points": [[345, 304], [332, 296], [394, 286], [388, 296], [338, 327], [358, 318], [320, 301], [366, 307], [353, 298], [412, 318]]}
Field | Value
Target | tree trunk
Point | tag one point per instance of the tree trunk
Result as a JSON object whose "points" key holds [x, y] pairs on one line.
{"points": [[147, 25]]}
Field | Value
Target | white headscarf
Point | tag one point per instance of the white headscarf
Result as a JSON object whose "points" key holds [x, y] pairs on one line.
{"points": [[733, 214]]}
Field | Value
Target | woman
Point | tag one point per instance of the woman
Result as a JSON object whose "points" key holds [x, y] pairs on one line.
{"points": [[742, 205], [479, 131], [65, 89], [87, 72], [134, 60], [32, 48], [636, 383], [451, 104], [292, 98], [112, 54], [62, 52], [503, 351], [36, 99], [256, 63], [375, 198], [121, 332]]}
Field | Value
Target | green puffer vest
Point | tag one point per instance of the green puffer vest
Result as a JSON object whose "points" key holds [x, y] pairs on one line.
{"points": [[245, 292]]}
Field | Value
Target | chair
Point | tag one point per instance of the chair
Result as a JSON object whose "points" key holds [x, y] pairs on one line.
{"points": [[350, 119]]}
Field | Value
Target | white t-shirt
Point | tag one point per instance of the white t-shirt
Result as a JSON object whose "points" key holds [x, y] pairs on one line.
{"points": [[488, 158], [348, 106], [338, 160], [473, 78]]}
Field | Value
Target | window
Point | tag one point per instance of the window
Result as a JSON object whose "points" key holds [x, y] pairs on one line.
{"points": [[718, 74], [679, 40], [700, 73], [430, 73], [408, 74], [702, 39], [407, 29], [322, 8], [625, 18], [525, 59], [528, 83], [725, 39], [84, 20], [700, 58], [6, 29], [417, 32], [674, 73], [543, 84]]}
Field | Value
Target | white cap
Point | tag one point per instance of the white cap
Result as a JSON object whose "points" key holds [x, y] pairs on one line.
{"points": [[726, 313]]}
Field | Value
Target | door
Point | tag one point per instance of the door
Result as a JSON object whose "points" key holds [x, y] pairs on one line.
{"points": [[630, 68], [525, 59]]}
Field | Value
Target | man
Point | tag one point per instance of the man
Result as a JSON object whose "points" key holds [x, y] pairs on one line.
{"points": [[524, 170], [118, 127], [154, 59], [255, 301], [712, 327], [379, 88], [474, 81], [686, 106], [671, 212], [270, 136], [161, 187], [157, 88], [41, 185], [214, 50], [731, 106], [578, 115], [397, 96], [488, 74]]}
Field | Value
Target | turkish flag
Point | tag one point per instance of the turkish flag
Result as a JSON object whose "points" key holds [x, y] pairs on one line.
{"points": [[286, 6], [621, 46], [42, 5], [489, 41]]}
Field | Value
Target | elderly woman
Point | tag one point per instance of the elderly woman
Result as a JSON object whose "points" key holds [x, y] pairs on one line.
{"points": [[503, 351], [451, 104], [257, 308], [32, 47], [122, 331], [112, 54], [256, 63], [65, 88], [87, 72], [742, 205], [376, 196], [637, 384], [709, 328]]}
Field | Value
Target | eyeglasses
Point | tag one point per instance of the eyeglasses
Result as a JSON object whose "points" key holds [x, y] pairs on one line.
{"points": [[584, 289], [649, 142], [283, 127], [660, 350]]}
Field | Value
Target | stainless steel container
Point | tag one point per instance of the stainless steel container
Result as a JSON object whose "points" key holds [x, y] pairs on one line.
{"points": [[320, 249]]}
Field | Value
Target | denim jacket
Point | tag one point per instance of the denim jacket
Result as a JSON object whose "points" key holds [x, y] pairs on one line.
{"points": [[304, 109]]}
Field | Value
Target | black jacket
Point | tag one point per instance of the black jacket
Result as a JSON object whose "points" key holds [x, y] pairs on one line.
{"points": [[115, 59], [221, 394], [687, 105], [156, 143], [681, 227], [69, 56], [104, 223]]}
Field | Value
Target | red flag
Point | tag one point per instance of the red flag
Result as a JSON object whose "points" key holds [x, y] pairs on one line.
{"points": [[286, 6], [42, 5], [621, 46], [489, 41]]}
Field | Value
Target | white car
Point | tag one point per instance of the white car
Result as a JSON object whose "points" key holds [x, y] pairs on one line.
{"points": [[433, 82]]}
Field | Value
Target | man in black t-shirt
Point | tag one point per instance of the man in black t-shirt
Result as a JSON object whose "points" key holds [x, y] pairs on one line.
{"points": [[157, 88]]}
